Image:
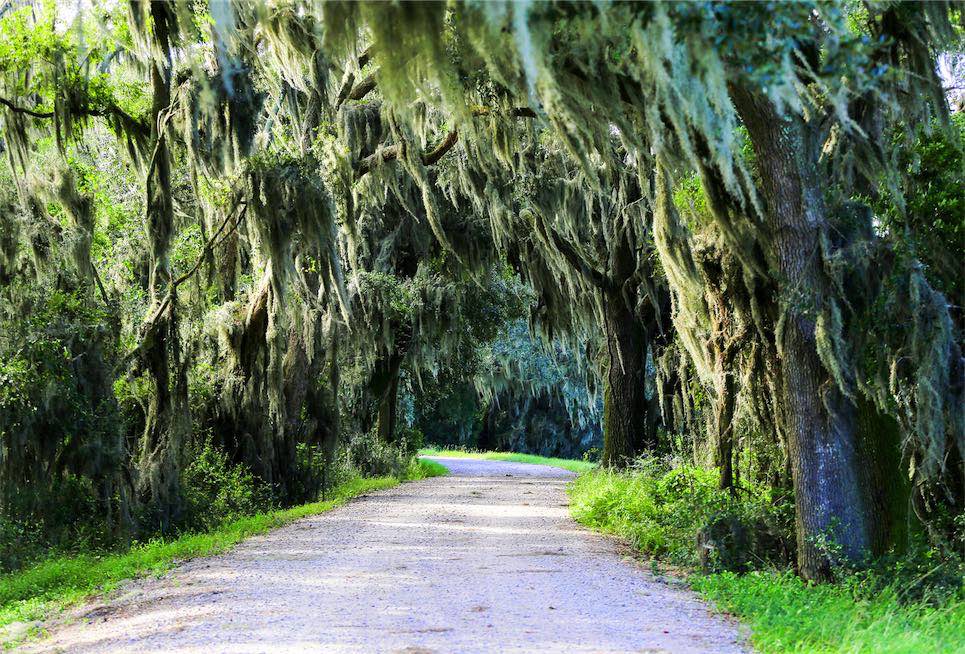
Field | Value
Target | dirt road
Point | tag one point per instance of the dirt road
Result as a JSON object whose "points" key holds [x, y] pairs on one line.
{"points": [[485, 560]]}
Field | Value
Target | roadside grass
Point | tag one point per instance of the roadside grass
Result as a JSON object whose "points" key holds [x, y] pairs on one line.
{"points": [[659, 513], [568, 464], [786, 614], [429, 468], [31, 594]]}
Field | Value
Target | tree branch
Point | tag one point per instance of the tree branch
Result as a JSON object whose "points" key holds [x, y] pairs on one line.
{"points": [[110, 110], [392, 152], [349, 79], [576, 261], [363, 89], [438, 152], [23, 110]]}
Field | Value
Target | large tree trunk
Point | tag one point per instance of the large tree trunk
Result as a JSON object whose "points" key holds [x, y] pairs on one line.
{"points": [[629, 420], [168, 422], [819, 422], [884, 476], [384, 384]]}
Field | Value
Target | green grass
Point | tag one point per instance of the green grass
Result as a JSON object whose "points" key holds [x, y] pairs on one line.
{"points": [[659, 512], [33, 593], [431, 469], [568, 464], [788, 615]]}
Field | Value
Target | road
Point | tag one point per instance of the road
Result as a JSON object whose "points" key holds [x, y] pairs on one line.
{"points": [[484, 560]]}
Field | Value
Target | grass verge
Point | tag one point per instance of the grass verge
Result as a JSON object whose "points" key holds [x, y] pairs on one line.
{"points": [[659, 511], [431, 469], [567, 464], [32, 594], [786, 614]]}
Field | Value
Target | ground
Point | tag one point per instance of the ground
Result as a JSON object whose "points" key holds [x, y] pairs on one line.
{"points": [[484, 560]]}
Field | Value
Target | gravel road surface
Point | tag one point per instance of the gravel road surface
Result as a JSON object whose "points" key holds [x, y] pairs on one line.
{"points": [[485, 560]]}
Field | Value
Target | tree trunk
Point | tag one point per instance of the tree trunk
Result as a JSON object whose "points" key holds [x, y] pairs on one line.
{"points": [[884, 478], [818, 420], [168, 422], [385, 425], [724, 421], [629, 426]]}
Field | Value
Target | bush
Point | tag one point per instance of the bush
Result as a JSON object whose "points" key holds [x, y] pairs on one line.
{"points": [[216, 492], [370, 457]]}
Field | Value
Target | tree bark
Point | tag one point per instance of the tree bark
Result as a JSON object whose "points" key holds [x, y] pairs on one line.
{"points": [[385, 424], [884, 478], [629, 421], [819, 422], [724, 421]]}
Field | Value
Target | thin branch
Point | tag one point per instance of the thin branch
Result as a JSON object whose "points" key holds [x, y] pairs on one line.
{"points": [[207, 249], [100, 287], [212, 243], [517, 112]]}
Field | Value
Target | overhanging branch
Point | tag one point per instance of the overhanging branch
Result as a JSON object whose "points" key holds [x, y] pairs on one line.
{"points": [[110, 111], [430, 157]]}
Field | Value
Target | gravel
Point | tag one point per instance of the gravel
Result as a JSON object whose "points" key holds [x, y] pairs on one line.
{"points": [[484, 560]]}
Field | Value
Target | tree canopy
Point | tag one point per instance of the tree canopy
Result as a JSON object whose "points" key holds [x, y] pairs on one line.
{"points": [[274, 227]]}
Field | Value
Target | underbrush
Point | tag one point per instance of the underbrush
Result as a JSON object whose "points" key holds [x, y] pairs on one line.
{"points": [[677, 513], [900, 604], [572, 465], [216, 492]]}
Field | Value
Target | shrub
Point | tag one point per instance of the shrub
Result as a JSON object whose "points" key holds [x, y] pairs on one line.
{"points": [[63, 517], [371, 457], [216, 492]]}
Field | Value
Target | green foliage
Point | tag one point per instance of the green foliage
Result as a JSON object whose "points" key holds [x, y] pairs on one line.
{"points": [[59, 433], [930, 226], [216, 492], [661, 507]]}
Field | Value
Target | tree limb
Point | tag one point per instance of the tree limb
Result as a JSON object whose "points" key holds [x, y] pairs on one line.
{"points": [[392, 152], [363, 89], [110, 110], [349, 79], [23, 110], [207, 249]]}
